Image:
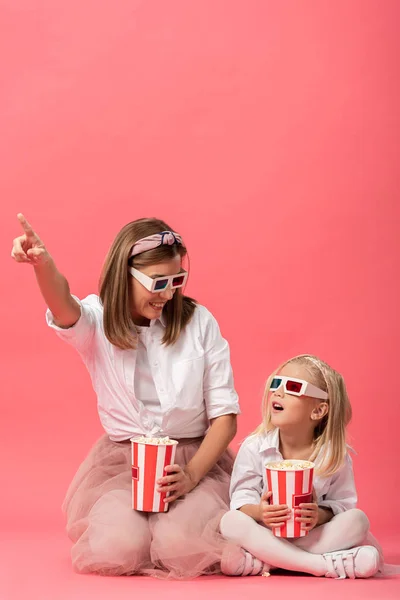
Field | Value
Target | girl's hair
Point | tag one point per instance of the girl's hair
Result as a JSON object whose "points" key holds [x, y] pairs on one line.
{"points": [[115, 289], [330, 434]]}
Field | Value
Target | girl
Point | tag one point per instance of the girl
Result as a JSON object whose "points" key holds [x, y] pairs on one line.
{"points": [[306, 410], [159, 367]]}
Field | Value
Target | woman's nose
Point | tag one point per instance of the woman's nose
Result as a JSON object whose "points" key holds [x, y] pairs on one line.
{"points": [[167, 293]]}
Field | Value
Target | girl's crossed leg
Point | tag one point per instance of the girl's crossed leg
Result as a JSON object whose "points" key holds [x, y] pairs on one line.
{"points": [[310, 554]]}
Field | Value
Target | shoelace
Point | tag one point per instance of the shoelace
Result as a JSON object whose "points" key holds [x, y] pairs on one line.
{"points": [[341, 566]]}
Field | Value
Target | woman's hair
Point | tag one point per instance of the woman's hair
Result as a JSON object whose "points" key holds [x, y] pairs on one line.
{"points": [[115, 289], [330, 434]]}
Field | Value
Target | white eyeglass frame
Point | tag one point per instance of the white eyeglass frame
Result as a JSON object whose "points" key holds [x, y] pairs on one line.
{"points": [[150, 284], [307, 389]]}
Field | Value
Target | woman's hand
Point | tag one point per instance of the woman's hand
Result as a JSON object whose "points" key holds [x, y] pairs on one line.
{"points": [[29, 248], [177, 483], [273, 515]]}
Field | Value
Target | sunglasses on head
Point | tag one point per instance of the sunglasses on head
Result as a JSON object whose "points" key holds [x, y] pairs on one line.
{"points": [[297, 387], [159, 284]]}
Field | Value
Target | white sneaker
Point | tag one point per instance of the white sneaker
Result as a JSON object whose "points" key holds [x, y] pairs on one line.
{"points": [[359, 562], [237, 562]]}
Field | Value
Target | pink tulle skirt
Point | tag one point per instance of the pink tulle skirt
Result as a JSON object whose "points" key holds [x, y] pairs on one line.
{"points": [[112, 539]]}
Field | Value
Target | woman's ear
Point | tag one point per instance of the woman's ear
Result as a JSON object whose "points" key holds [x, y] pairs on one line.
{"points": [[320, 411]]}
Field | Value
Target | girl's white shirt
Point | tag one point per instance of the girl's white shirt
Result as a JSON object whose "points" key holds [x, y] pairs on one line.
{"points": [[249, 482]]}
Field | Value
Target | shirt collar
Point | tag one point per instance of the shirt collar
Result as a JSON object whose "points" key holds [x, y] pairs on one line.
{"points": [[162, 320], [271, 441], [154, 323]]}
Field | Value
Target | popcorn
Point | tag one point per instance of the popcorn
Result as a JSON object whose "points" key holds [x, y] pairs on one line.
{"points": [[155, 441], [291, 465], [150, 457], [291, 483]]}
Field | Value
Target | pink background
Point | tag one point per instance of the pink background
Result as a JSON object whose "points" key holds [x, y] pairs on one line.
{"points": [[267, 134]]}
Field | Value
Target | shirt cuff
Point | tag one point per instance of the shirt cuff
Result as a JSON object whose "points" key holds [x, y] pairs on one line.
{"points": [[220, 412], [222, 406], [239, 499], [336, 507], [78, 334], [65, 331]]}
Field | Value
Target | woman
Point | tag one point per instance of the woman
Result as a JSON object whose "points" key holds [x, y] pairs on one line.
{"points": [[159, 367]]}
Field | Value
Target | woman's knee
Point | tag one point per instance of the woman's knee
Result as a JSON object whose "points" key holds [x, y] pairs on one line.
{"points": [[116, 538], [110, 552]]}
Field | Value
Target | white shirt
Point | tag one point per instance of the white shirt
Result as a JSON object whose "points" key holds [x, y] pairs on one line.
{"points": [[193, 377], [249, 483], [145, 389]]}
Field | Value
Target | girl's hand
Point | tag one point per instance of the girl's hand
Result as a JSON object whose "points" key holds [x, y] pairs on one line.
{"points": [[29, 248], [307, 515], [178, 483], [273, 515]]}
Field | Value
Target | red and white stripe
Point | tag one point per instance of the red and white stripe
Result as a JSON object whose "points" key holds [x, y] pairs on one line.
{"points": [[291, 488], [148, 465]]}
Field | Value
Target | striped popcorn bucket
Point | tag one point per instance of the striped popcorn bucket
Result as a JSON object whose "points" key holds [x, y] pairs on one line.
{"points": [[290, 486], [148, 463]]}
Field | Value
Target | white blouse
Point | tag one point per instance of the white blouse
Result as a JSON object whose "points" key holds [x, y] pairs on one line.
{"points": [[145, 389], [249, 483], [193, 377]]}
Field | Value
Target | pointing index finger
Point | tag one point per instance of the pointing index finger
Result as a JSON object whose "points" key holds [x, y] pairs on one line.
{"points": [[25, 225]]}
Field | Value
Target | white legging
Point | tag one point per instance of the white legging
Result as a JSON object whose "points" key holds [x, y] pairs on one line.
{"points": [[345, 530]]}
